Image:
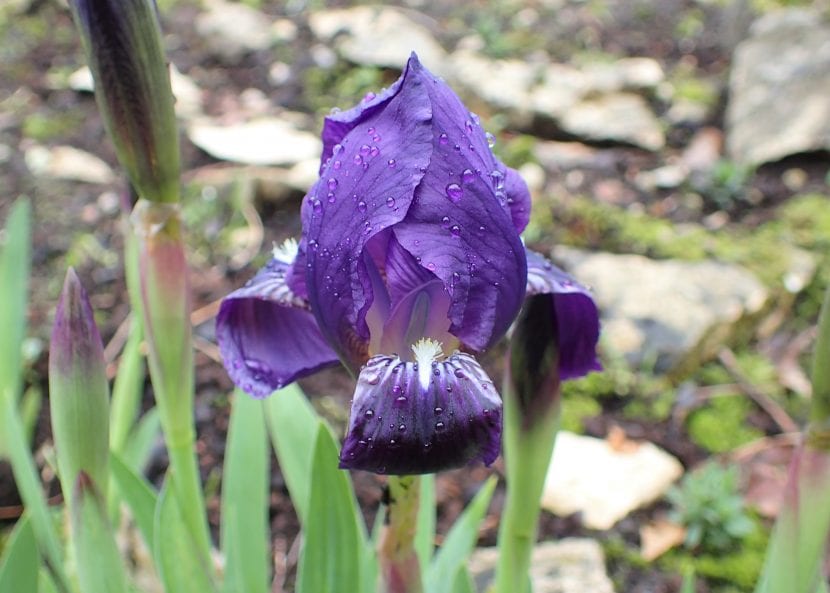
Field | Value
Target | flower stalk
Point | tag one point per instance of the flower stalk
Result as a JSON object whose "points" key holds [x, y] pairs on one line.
{"points": [[531, 422], [399, 565], [165, 295], [798, 540]]}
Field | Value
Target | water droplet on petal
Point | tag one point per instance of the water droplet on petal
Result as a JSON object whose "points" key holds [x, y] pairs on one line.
{"points": [[361, 206], [316, 206], [391, 163], [374, 151], [337, 165], [459, 373], [390, 202], [370, 130], [331, 198], [376, 138], [455, 230], [468, 125], [454, 192], [369, 96], [369, 413], [443, 138], [439, 426], [402, 427], [358, 160], [491, 140], [438, 411], [313, 245], [338, 148], [468, 176], [445, 221], [365, 150]]}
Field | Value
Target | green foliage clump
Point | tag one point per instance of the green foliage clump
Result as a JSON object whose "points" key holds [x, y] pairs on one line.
{"points": [[576, 409], [740, 567], [709, 505], [721, 426], [339, 85]]}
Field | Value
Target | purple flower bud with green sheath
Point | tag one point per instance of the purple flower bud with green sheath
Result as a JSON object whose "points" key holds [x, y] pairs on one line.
{"points": [[122, 39], [410, 261]]}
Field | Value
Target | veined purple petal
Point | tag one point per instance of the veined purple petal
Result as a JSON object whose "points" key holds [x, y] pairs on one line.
{"points": [[577, 316], [372, 177], [459, 226], [267, 334], [411, 420], [422, 313]]}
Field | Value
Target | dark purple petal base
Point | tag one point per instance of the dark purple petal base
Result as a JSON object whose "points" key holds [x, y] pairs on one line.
{"points": [[399, 426], [577, 317]]}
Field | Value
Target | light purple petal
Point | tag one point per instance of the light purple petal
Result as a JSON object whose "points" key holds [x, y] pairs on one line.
{"points": [[268, 336], [420, 314], [577, 316], [400, 426], [367, 187]]}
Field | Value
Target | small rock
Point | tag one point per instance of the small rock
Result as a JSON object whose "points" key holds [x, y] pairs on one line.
{"points": [[622, 117], [534, 176], [68, 162], [674, 313], [778, 89], [571, 565], [624, 74], [665, 177], [561, 156], [232, 30], [265, 141], [703, 151], [382, 36], [605, 482]]}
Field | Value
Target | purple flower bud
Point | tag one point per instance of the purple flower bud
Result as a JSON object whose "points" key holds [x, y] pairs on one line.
{"points": [[78, 389], [123, 44]]}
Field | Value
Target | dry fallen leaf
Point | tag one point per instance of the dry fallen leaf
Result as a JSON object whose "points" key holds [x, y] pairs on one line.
{"points": [[659, 537]]}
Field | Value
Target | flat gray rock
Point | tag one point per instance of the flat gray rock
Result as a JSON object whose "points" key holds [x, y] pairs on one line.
{"points": [[378, 36], [779, 88], [263, 141], [571, 565], [231, 29], [600, 102], [667, 313]]}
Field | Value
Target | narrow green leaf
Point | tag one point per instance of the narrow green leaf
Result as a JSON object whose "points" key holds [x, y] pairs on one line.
{"points": [[425, 530], [139, 496], [293, 426], [142, 439], [331, 557], [45, 583], [20, 562], [177, 556], [688, 585], [245, 482], [30, 406], [99, 564], [127, 389], [463, 582], [460, 542], [14, 283]]}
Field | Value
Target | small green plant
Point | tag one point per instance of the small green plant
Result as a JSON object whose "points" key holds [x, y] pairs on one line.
{"points": [[709, 506]]}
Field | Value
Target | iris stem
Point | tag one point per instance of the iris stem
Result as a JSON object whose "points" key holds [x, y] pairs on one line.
{"points": [[399, 566], [527, 453]]}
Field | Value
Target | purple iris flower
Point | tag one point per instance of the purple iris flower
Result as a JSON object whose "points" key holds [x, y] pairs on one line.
{"points": [[410, 262]]}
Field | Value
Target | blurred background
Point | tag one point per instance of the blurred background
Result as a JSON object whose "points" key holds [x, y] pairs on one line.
{"points": [[677, 153]]}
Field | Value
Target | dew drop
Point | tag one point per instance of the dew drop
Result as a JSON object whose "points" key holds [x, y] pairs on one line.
{"points": [[443, 138], [370, 130], [313, 244], [468, 176], [431, 267], [391, 163], [330, 198], [317, 206], [459, 373], [438, 410], [365, 150], [369, 96], [361, 206], [358, 160], [454, 192], [373, 380], [402, 427], [332, 183], [374, 151], [468, 125], [445, 221], [439, 426], [337, 149], [376, 138], [337, 165], [390, 202], [369, 413], [491, 140], [455, 230]]}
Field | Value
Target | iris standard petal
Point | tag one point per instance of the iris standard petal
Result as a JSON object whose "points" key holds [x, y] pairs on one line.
{"points": [[267, 334], [518, 198], [577, 316], [367, 187], [411, 420]]}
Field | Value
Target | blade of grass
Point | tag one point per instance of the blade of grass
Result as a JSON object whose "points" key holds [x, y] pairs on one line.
{"points": [[293, 425], [139, 496], [20, 562], [459, 543], [245, 481], [332, 556]]}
